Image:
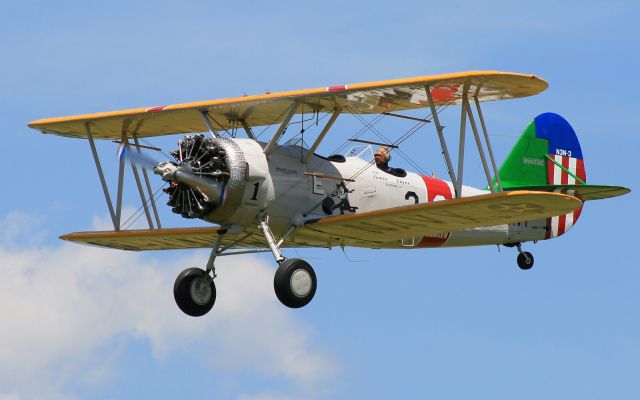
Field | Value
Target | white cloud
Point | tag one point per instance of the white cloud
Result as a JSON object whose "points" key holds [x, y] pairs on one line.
{"points": [[15, 227], [67, 312]]}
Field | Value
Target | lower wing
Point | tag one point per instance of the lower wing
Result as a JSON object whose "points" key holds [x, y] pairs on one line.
{"points": [[368, 229], [443, 216]]}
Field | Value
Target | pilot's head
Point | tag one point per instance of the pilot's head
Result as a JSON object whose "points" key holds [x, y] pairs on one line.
{"points": [[382, 155]]}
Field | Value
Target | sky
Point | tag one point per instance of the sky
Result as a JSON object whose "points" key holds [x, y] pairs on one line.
{"points": [[80, 322]]}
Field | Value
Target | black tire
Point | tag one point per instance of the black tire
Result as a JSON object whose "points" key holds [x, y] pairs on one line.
{"points": [[525, 260], [295, 283], [192, 300]]}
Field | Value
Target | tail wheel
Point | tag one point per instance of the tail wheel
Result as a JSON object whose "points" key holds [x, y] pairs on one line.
{"points": [[525, 260], [194, 292], [295, 283]]}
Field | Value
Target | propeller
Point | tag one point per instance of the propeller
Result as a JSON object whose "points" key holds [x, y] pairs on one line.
{"points": [[140, 159], [197, 177]]}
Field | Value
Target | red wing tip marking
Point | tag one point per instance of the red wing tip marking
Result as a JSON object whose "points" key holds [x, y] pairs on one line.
{"points": [[337, 88], [155, 109]]}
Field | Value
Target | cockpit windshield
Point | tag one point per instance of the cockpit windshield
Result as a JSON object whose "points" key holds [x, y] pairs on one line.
{"points": [[362, 151]]}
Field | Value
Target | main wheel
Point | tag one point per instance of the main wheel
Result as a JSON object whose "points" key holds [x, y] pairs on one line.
{"points": [[295, 283], [525, 260], [195, 292]]}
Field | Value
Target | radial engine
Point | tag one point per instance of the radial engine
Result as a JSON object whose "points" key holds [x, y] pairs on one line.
{"points": [[207, 178]]}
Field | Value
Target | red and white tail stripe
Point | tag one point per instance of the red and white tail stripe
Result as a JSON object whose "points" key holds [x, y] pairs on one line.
{"points": [[557, 226]]}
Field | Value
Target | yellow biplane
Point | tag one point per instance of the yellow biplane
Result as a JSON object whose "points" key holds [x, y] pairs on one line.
{"points": [[264, 196]]}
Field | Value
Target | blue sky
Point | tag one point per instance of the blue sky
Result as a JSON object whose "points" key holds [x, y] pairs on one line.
{"points": [[79, 322]]}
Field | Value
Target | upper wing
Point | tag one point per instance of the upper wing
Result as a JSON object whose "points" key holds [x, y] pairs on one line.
{"points": [[268, 109], [443, 216]]}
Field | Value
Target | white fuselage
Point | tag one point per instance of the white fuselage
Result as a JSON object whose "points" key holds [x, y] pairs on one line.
{"points": [[290, 192]]}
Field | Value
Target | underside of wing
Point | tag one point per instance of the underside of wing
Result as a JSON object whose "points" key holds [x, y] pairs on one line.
{"points": [[443, 216], [583, 192], [194, 238], [165, 239], [268, 109]]}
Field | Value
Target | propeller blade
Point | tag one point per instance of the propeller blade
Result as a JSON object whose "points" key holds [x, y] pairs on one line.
{"points": [[140, 159]]}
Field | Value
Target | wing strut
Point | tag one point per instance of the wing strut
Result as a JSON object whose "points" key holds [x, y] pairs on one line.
{"points": [[205, 118], [464, 113], [467, 108], [490, 150], [283, 126], [124, 139], [443, 143], [105, 189], [116, 214], [463, 131], [247, 129], [148, 185], [322, 134], [143, 199]]}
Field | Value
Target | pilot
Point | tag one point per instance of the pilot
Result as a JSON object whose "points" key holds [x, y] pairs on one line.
{"points": [[382, 157]]}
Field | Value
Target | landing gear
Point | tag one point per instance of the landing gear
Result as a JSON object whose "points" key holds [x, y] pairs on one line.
{"points": [[525, 259], [194, 289], [295, 283], [194, 292]]}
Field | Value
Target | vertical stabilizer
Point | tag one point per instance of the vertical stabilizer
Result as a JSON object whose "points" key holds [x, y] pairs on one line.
{"points": [[548, 153]]}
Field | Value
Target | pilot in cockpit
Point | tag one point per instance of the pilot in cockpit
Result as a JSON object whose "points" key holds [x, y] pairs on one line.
{"points": [[382, 157]]}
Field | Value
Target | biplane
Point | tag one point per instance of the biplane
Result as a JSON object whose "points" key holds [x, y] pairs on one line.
{"points": [[266, 196]]}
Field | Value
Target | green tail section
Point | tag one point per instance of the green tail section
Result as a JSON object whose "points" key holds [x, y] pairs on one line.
{"points": [[548, 153], [526, 164], [548, 158]]}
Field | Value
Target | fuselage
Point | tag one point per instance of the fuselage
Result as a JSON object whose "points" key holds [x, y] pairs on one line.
{"points": [[291, 191]]}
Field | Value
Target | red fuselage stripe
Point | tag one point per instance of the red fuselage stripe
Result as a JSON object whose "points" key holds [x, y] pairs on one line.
{"points": [[435, 187]]}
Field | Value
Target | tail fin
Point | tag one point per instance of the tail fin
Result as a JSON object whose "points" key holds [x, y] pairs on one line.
{"points": [[548, 153], [547, 157]]}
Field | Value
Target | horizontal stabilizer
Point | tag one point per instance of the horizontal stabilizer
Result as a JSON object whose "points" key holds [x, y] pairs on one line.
{"points": [[583, 192]]}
